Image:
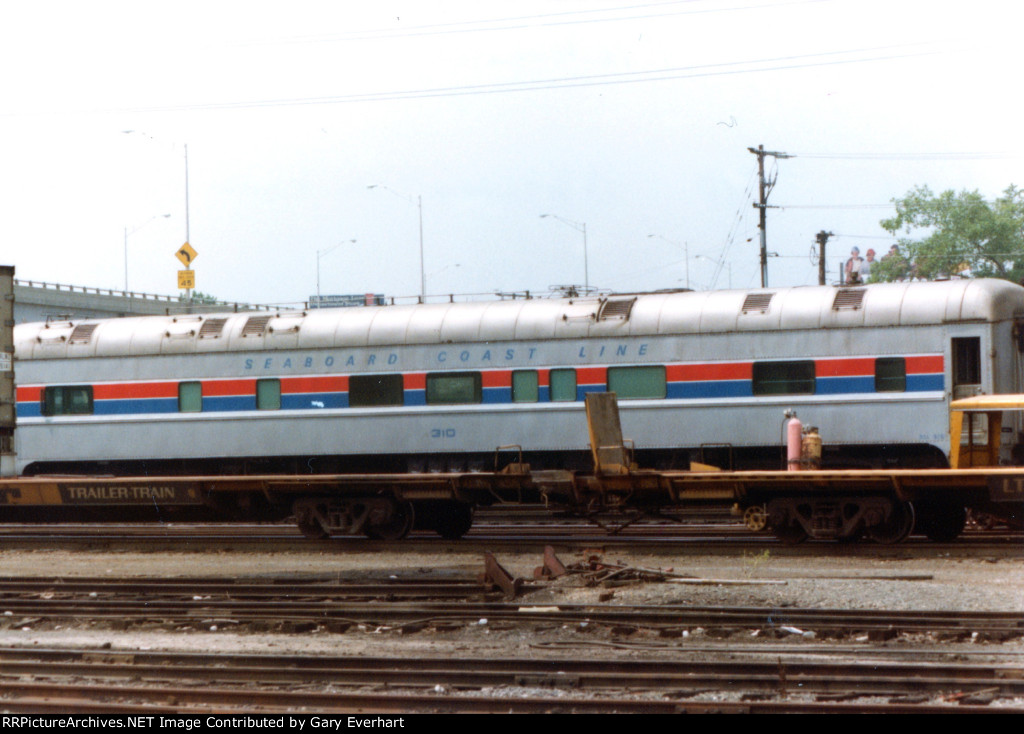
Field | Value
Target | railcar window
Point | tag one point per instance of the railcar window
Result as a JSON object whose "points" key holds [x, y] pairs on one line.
{"points": [[374, 390], [67, 400], [525, 386], [890, 374], [637, 382], [190, 397], [967, 361], [563, 385], [783, 378], [453, 388], [268, 394]]}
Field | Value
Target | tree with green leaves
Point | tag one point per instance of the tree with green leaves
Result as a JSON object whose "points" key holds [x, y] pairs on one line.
{"points": [[960, 234]]}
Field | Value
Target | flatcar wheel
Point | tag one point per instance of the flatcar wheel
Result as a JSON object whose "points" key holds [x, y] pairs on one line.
{"points": [[755, 518], [454, 520], [896, 528], [398, 524]]}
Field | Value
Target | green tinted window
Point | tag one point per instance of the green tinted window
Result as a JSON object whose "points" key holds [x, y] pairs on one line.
{"points": [[454, 388], [637, 382], [563, 385], [783, 378], [268, 394], [890, 374], [67, 400], [525, 387], [190, 397], [369, 390]]}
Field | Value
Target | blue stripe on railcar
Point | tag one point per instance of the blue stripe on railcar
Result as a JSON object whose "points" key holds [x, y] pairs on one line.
{"points": [[228, 403], [582, 390], [496, 395], [844, 385], [316, 401], [415, 397], [710, 389], [135, 406], [925, 383]]}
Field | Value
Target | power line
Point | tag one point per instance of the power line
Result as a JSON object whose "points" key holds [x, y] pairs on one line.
{"points": [[780, 63], [575, 17]]}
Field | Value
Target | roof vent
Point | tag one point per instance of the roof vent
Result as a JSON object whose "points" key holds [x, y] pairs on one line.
{"points": [[848, 298], [256, 325], [616, 310], [212, 328], [82, 334], [757, 302]]}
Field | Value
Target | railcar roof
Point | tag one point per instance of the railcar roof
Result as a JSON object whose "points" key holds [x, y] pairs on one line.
{"points": [[613, 316]]}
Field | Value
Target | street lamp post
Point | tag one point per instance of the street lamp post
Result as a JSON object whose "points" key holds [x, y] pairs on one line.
{"points": [[419, 205], [319, 254], [579, 227], [686, 255]]}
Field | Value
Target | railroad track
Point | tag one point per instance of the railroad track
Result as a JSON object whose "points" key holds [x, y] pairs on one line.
{"points": [[410, 605], [87, 681], [497, 534]]}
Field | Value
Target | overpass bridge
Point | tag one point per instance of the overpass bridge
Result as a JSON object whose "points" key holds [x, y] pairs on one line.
{"points": [[41, 301]]}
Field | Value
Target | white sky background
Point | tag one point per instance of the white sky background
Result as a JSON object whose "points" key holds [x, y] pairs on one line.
{"points": [[633, 118]]}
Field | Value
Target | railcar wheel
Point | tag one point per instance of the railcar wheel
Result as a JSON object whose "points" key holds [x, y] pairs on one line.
{"points": [[391, 524], [942, 521], [308, 524], [755, 518], [898, 526]]}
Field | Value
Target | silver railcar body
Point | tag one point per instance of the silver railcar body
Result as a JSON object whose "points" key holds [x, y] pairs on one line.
{"points": [[443, 385]]}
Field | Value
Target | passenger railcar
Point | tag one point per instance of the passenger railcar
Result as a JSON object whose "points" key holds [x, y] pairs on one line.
{"points": [[700, 376]]}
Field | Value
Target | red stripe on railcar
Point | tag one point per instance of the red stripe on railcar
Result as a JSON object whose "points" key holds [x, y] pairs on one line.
{"points": [[228, 388], [414, 381], [925, 364], [298, 385], [29, 393], [135, 390], [496, 378], [853, 367], [709, 372], [591, 375]]}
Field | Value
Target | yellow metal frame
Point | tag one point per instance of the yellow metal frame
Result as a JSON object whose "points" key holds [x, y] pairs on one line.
{"points": [[993, 406]]}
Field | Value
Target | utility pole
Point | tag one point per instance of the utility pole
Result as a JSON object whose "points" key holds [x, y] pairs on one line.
{"points": [[765, 189], [822, 238]]}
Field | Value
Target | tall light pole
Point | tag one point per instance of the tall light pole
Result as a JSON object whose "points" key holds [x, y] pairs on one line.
{"points": [[188, 292], [419, 205], [686, 255], [133, 231], [579, 227], [319, 254]]}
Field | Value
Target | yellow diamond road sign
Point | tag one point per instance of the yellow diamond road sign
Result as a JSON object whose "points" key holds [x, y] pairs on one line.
{"points": [[186, 254]]}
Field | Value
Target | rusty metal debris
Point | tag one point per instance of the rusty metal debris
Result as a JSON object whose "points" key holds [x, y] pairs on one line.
{"points": [[495, 575], [595, 571], [552, 568]]}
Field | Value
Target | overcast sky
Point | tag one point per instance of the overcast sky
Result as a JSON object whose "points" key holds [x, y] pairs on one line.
{"points": [[633, 119]]}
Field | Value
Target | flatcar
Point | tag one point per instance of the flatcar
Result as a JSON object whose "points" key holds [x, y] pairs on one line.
{"points": [[700, 376]]}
